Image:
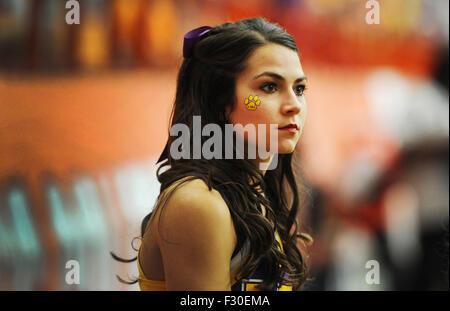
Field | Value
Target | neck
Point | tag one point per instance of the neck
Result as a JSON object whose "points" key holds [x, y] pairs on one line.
{"points": [[259, 162], [263, 163]]}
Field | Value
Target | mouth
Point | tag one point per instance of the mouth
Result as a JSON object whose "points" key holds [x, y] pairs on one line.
{"points": [[292, 125], [291, 128]]}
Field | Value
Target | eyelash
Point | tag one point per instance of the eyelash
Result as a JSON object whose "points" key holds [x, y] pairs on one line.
{"points": [[303, 87]]}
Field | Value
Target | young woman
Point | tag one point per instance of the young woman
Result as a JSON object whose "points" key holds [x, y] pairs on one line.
{"points": [[221, 223]]}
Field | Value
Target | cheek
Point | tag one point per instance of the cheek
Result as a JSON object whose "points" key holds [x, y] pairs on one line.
{"points": [[263, 113], [250, 112], [304, 110], [249, 109], [304, 113]]}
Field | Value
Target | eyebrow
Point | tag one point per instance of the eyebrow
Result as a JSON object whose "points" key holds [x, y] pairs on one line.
{"points": [[278, 77]]}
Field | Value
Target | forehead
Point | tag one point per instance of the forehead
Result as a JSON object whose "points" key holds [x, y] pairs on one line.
{"points": [[277, 58]]}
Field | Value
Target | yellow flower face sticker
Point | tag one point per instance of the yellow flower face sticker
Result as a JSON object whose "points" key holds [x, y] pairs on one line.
{"points": [[252, 102]]}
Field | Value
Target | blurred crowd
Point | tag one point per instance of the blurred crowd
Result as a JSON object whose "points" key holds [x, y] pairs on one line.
{"points": [[125, 33], [374, 158]]}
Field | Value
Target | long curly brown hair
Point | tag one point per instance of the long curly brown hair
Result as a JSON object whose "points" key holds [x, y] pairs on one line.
{"points": [[206, 87]]}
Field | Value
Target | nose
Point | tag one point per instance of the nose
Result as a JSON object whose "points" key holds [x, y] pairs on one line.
{"points": [[292, 104]]}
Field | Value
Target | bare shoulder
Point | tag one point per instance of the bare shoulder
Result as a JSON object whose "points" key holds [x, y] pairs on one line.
{"points": [[196, 238], [195, 212]]}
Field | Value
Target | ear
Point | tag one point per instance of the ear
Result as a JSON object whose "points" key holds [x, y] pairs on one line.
{"points": [[228, 111]]}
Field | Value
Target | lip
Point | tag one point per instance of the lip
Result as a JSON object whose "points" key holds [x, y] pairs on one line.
{"points": [[293, 125], [291, 128]]}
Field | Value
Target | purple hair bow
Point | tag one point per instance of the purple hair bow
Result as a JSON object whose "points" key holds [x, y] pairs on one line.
{"points": [[191, 37]]}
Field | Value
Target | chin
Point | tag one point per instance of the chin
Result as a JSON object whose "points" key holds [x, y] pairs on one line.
{"points": [[286, 147]]}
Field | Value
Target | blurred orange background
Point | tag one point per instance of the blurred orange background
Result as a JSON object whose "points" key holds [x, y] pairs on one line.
{"points": [[84, 114]]}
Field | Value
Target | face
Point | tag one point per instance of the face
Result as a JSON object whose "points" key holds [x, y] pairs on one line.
{"points": [[275, 81]]}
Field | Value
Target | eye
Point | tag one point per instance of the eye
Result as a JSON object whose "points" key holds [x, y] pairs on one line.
{"points": [[269, 87], [300, 89]]}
